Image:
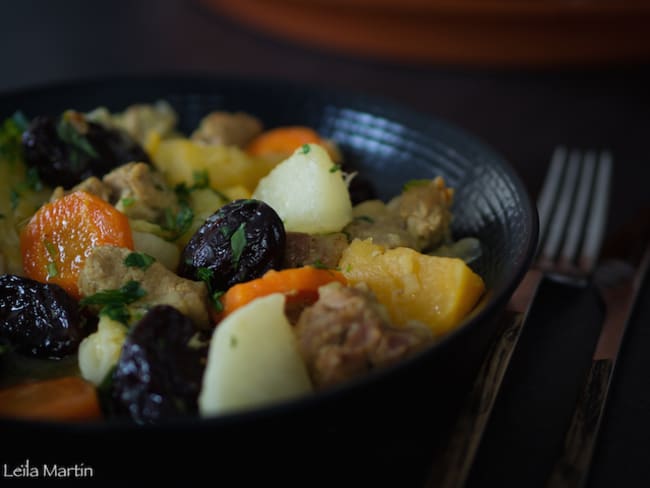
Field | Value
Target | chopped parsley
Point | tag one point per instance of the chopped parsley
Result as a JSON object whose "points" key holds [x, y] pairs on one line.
{"points": [[206, 275], [177, 224], [52, 271], [318, 264], [11, 131], [201, 179], [238, 243], [335, 168], [413, 183], [114, 302], [233, 342], [32, 182], [216, 300], [69, 134], [139, 260], [127, 201], [14, 198], [305, 149], [365, 218]]}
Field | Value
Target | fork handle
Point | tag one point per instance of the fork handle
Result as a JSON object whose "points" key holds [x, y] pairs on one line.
{"points": [[571, 469], [453, 470]]}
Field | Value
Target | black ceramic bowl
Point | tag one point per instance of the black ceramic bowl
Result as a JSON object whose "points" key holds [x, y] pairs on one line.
{"points": [[401, 414]]}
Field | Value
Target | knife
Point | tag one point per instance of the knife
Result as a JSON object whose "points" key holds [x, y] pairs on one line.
{"points": [[619, 286]]}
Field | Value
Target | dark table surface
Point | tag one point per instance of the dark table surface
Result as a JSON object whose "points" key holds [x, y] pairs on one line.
{"points": [[521, 113]]}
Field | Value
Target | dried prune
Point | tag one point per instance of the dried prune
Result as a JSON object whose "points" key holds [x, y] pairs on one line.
{"points": [[160, 369], [68, 149], [240, 242], [361, 190], [39, 319]]}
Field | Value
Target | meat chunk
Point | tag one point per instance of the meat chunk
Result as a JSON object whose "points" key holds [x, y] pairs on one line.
{"points": [[303, 249], [140, 120], [372, 219], [419, 218], [105, 270], [347, 333], [91, 185], [426, 210], [135, 189], [227, 129], [140, 191]]}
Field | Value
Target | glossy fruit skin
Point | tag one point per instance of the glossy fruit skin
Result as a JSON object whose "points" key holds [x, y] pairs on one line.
{"points": [[212, 245], [39, 319], [160, 369], [59, 163]]}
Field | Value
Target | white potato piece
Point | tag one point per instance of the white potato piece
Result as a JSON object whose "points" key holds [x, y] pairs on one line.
{"points": [[165, 252], [100, 351], [308, 192], [253, 360]]}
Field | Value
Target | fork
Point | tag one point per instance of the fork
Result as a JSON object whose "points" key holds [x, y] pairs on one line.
{"points": [[572, 207]]}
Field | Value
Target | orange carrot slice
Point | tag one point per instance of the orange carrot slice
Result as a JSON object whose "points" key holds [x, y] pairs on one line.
{"points": [[67, 398], [282, 140], [300, 285], [61, 234]]}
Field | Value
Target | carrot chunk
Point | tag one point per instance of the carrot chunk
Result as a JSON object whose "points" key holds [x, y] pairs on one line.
{"points": [[300, 285], [67, 398], [282, 140], [61, 234]]}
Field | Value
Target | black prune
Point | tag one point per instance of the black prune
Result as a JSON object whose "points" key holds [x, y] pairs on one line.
{"points": [[160, 369], [241, 241], [361, 190], [68, 149], [39, 319]]}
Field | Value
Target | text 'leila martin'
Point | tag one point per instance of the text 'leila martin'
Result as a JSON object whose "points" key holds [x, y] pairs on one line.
{"points": [[29, 470]]}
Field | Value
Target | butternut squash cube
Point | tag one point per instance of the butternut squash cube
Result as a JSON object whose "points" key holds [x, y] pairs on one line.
{"points": [[437, 291]]}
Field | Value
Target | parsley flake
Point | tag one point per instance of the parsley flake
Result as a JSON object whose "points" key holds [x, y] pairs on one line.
{"points": [[365, 218], [413, 183], [238, 243], [52, 271], [233, 341], [204, 274], [305, 149], [335, 168], [139, 260], [69, 134], [127, 201], [318, 264], [114, 302]]}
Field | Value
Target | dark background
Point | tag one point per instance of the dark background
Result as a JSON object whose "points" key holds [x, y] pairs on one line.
{"points": [[523, 113]]}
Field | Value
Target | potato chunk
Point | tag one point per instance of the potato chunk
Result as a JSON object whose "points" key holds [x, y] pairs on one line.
{"points": [[100, 351], [180, 160], [253, 360], [308, 192], [436, 291]]}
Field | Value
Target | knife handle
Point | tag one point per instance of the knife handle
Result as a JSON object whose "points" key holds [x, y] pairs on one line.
{"points": [[579, 442]]}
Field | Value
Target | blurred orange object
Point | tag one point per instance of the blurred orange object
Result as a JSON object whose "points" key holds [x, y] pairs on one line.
{"points": [[67, 398], [477, 32]]}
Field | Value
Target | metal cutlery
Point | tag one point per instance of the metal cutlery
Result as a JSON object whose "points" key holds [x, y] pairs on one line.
{"points": [[572, 208], [619, 284]]}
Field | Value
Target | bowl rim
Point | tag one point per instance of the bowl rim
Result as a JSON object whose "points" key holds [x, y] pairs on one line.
{"points": [[384, 106]]}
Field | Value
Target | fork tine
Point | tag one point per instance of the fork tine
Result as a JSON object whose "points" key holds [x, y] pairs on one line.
{"points": [[547, 193], [577, 220], [558, 223], [598, 215]]}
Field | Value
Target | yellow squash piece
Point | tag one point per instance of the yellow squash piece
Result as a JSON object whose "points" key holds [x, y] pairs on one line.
{"points": [[437, 291], [180, 160]]}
